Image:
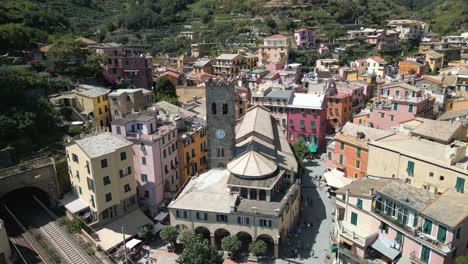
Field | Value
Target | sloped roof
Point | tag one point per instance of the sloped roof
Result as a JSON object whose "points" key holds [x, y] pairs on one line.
{"points": [[402, 85], [256, 119], [378, 59], [252, 164], [462, 113], [450, 208], [277, 36], [435, 129]]}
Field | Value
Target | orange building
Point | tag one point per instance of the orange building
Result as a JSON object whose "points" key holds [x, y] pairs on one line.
{"points": [[411, 67], [339, 109], [351, 150], [362, 118]]}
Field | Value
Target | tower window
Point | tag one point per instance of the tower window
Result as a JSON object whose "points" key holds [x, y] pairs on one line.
{"points": [[213, 108], [225, 109]]}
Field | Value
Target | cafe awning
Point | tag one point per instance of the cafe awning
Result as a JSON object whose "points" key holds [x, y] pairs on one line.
{"points": [[384, 246], [336, 179], [132, 243], [313, 148]]}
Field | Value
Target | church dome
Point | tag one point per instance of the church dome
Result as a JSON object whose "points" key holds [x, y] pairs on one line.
{"points": [[252, 165]]}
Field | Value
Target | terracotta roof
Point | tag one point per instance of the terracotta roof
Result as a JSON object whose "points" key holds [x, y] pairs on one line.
{"points": [[277, 36], [377, 59], [429, 78], [170, 73]]}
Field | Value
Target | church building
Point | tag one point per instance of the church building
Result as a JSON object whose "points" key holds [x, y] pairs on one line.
{"points": [[252, 189]]}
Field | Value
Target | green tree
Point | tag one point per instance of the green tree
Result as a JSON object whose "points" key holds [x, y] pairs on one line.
{"points": [[145, 231], [197, 251], [231, 244], [258, 248], [299, 148], [18, 37], [462, 260], [165, 86], [74, 225], [169, 234], [185, 236]]}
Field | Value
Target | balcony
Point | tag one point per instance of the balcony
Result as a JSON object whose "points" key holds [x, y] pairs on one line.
{"points": [[356, 235]]}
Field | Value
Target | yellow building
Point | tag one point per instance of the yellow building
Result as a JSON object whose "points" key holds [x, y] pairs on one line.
{"points": [[275, 51], [193, 151], [89, 101], [434, 59], [453, 104], [101, 174], [425, 164]]}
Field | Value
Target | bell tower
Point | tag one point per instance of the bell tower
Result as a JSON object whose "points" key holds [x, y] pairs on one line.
{"points": [[221, 122]]}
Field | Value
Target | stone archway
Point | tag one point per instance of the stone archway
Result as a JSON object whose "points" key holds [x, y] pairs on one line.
{"points": [[219, 234], [272, 247], [204, 232], [245, 239]]}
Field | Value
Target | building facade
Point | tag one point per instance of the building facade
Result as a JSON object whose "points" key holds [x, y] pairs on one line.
{"points": [[155, 159], [126, 101], [408, 29], [305, 37], [102, 176], [193, 150], [274, 53], [228, 65]]}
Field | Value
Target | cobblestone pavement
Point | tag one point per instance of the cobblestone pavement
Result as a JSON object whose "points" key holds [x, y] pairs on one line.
{"points": [[311, 244]]}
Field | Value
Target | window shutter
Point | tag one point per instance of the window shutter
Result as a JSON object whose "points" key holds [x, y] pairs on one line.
{"points": [[198, 215], [441, 234], [205, 216], [247, 220], [239, 220]]}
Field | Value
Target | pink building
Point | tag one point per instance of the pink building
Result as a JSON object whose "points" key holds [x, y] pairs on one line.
{"points": [[128, 65], [155, 156], [384, 39], [307, 119], [305, 37], [398, 102], [387, 219]]}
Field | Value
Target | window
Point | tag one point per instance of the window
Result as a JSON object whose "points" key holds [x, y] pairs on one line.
{"points": [[90, 183], [341, 158], [427, 226], [343, 197], [410, 168], [337, 113], [92, 201], [243, 220], [104, 163], [441, 177], [359, 203], [382, 115], [80, 190], [265, 222], [125, 172], [354, 218], [458, 232], [143, 160], [301, 124], [441, 234], [460, 185], [202, 216], [127, 188], [291, 123], [329, 154], [341, 145], [399, 237], [425, 254], [106, 180], [221, 218], [358, 152], [108, 197], [358, 164], [395, 106], [181, 214], [88, 168], [410, 108], [312, 124], [283, 122], [123, 155], [225, 109], [383, 227], [144, 177], [213, 108], [75, 158]]}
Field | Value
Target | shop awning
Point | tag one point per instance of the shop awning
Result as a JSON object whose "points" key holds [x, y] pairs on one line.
{"points": [[161, 216], [132, 243], [336, 179], [73, 203], [384, 246], [313, 148]]}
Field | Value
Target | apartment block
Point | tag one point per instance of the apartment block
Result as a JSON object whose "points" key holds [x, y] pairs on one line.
{"points": [[192, 151], [391, 221], [228, 65], [274, 53], [154, 147], [102, 177], [305, 37], [126, 101], [397, 102], [408, 29], [307, 118], [350, 153]]}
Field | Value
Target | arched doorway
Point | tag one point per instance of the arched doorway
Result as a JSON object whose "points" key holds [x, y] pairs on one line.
{"points": [[270, 243], [204, 232], [245, 239], [219, 235]]}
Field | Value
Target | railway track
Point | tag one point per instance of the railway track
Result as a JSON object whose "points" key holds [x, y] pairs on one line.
{"points": [[69, 249], [28, 249]]}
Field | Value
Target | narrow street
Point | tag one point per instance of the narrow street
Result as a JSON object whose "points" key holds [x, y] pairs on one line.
{"points": [[312, 243]]}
